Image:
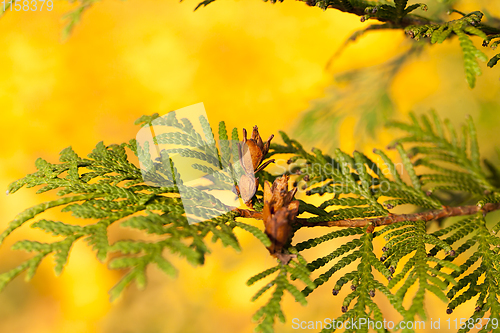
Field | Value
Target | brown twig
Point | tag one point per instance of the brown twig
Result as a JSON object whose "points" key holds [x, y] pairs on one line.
{"points": [[389, 219], [359, 9], [248, 213]]}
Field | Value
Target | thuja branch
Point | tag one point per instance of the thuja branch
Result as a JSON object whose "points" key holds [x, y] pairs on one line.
{"points": [[386, 220], [248, 213], [395, 16], [395, 218], [365, 183], [367, 10], [107, 187], [398, 16]]}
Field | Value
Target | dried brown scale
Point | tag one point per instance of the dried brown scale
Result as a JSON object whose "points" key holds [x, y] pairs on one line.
{"points": [[251, 154], [257, 148], [247, 187], [279, 214]]}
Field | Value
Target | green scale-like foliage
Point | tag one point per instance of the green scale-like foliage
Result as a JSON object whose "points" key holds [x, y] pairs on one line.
{"points": [[468, 25], [295, 269], [397, 14], [437, 168], [361, 189], [486, 260], [108, 188]]}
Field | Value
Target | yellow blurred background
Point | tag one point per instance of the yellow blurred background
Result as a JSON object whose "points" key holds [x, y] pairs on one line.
{"points": [[250, 63]]}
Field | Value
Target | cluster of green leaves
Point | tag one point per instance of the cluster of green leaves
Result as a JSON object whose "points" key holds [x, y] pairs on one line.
{"points": [[293, 270], [455, 169], [451, 174], [381, 10], [363, 282], [468, 25], [108, 187], [485, 258], [397, 15], [364, 92], [462, 173], [410, 239]]}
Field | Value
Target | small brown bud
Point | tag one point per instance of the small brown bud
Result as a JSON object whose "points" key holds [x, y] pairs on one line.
{"points": [[449, 311], [257, 149], [278, 214], [344, 308], [335, 292], [372, 293], [247, 187]]}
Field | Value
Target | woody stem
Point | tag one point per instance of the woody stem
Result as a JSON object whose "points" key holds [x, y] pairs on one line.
{"points": [[248, 213], [389, 219]]}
